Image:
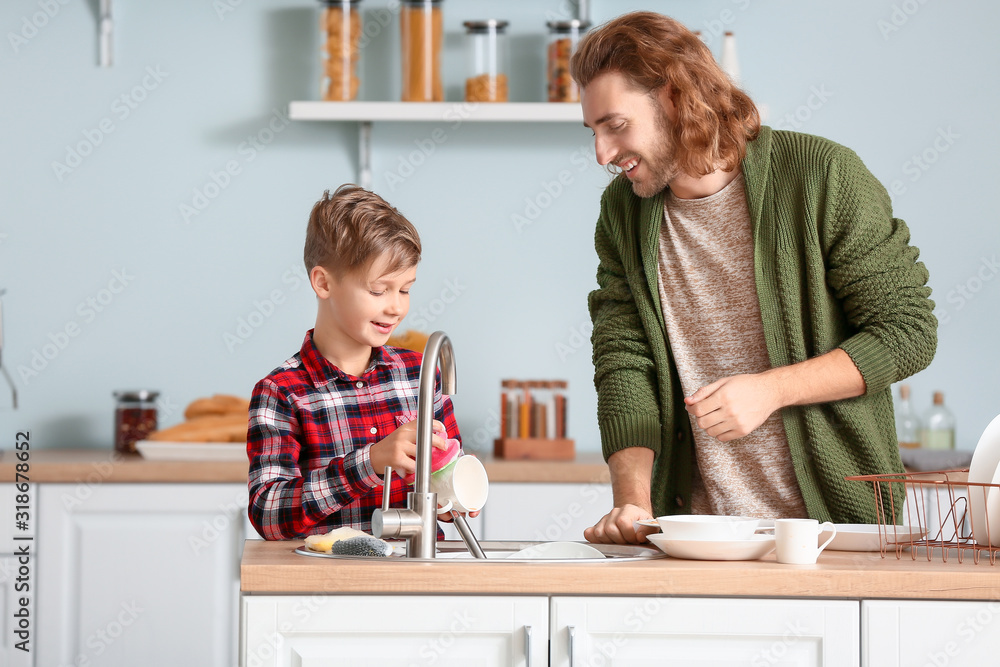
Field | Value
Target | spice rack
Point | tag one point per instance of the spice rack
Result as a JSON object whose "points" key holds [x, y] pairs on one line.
{"points": [[533, 418], [950, 515]]}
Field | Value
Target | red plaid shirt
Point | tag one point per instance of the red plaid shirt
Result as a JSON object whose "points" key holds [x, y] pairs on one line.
{"points": [[311, 427]]}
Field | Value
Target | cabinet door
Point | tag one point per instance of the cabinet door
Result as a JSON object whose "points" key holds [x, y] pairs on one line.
{"points": [[14, 616], [544, 512], [899, 633], [393, 631], [139, 574], [701, 632]]}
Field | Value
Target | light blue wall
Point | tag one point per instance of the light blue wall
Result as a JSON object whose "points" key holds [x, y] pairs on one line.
{"points": [[517, 298]]}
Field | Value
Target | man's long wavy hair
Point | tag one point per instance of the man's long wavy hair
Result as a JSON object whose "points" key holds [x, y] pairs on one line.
{"points": [[715, 119]]}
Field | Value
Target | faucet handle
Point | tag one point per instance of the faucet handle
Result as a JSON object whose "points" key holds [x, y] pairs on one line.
{"points": [[386, 487]]}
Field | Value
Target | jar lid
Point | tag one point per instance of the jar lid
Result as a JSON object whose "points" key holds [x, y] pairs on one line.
{"points": [[135, 395], [487, 25], [568, 26]]}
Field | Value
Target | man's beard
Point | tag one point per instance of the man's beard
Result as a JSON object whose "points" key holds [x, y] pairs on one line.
{"points": [[661, 167]]}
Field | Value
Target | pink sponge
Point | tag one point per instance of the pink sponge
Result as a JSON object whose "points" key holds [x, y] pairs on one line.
{"points": [[440, 457]]}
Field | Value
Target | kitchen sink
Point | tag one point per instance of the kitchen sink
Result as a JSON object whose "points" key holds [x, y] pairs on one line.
{"points": [[455, 551]]}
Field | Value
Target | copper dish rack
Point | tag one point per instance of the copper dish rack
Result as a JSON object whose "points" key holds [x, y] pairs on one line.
{"points": [[939, 505]]}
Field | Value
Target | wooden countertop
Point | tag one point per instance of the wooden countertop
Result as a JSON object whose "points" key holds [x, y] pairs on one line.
{"points": [[273, 567], [75, 465]]}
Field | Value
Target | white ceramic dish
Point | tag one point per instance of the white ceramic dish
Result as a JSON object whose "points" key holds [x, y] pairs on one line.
{"points": [[557, 550], [866, 537], [707, 527], [983, 469], [156, 450], [754, 548]]}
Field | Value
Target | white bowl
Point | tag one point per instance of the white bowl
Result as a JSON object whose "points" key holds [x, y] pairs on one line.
{"points": [[756, 547], [984, 470], [704, 527]]}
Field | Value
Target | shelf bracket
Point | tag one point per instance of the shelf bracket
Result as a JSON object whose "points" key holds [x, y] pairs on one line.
{"points": [[365, 154], [106, 26]]}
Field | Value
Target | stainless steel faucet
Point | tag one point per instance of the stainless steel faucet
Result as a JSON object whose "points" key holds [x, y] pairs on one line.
{"points": [[418, 522]]}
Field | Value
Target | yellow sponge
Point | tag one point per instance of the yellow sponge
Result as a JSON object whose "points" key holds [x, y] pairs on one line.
{"points": [[324, 543]]}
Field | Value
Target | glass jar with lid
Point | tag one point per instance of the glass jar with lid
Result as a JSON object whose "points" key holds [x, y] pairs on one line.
{"points": [[340, 35], [486, 52], [135, 418], [563, 39], [422, 38]]}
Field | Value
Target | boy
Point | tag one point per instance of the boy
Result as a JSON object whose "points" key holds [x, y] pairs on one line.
{"points": [[325, 423]]}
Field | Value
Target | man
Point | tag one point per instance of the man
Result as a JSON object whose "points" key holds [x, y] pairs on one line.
{"points": [[756, 297]]}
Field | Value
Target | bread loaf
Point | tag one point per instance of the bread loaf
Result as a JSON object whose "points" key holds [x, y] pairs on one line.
{"points": [[211, 428], [220, 404]]}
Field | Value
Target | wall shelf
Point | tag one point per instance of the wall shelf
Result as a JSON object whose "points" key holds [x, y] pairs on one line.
{"points": [[441, 112]]}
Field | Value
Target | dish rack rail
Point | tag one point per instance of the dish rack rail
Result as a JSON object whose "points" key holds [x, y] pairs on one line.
{"points": [[950, 513]]}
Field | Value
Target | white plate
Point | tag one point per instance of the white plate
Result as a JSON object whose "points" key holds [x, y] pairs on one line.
{"points": [[756, 547], [983, 469], [865, 536], [557, 550], [157, 450]]}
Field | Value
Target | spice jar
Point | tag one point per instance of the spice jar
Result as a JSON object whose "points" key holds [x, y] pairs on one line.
{"points": [[487, 56], [135, 418], [563, 39], [340, 32], [422, 37]]}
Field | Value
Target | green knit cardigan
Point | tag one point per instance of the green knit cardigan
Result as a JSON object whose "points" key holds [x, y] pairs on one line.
{"points": [[833, 268]]}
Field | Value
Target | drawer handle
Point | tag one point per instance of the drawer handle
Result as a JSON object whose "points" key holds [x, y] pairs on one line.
{"points": [[527, 646], [572, 643]]}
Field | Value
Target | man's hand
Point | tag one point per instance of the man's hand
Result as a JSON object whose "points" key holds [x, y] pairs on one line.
{"points": [[732, 407], [399, 448], [617, 526]]}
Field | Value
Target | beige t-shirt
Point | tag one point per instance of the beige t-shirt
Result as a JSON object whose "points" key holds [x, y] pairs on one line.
{"points": [[710, 307]]}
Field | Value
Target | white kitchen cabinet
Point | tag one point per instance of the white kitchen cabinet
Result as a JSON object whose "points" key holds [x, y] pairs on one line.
{"points": [[544, 512], [394, 631], [682, 632], [900, 633], [139, 574]]}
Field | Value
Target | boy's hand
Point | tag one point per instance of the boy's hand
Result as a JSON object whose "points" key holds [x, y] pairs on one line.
{"points": [[446, 516], [399, 448]]}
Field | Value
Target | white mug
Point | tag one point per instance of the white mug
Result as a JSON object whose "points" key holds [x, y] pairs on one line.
{"points": [[462, 485], [795, 540]]}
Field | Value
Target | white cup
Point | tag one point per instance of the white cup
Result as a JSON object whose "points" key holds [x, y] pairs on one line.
{"points": [[462, 485], [795, 540]]}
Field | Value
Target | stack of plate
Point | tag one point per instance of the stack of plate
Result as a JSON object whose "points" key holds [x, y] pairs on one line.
{"points": [[711, 537], [984, 501]]}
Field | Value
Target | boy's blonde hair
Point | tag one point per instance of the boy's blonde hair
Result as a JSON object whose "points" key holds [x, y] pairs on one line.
{"points": [[351, 228]]}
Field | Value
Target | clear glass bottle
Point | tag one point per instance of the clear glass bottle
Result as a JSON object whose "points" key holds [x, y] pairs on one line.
{"points": [[907, 422], [487, 56], [340, 32], [422, 38], [729, 61], [563, 39], [135, 418], [938, 430]]}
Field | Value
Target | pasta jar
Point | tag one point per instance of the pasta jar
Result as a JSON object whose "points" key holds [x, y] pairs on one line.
{"points": [[340, 33], [422, 39], [487, 56], [135, 418], [563, 39]]}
